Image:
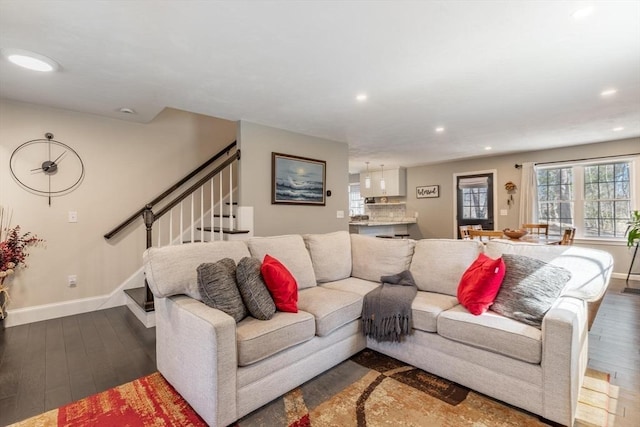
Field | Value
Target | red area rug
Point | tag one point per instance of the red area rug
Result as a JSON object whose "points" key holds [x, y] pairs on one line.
{"points": [[147, 401], [384, 392]]}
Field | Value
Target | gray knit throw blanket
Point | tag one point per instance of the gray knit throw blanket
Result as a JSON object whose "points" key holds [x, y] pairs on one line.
{"points": [[386, 312]]}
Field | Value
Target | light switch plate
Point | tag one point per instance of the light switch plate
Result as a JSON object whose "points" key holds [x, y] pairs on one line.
{"points": [[340, 214], [503, 212], [73, 216]]}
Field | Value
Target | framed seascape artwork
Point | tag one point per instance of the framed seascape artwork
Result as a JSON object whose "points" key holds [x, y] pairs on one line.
{"points": [[427, 191], [297, 180]]}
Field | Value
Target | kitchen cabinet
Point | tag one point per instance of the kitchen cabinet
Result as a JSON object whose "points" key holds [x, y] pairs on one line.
{"points": [[395, 183]]}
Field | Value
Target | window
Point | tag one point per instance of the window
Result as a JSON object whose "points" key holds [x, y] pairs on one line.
{"points": [[356, 204], [474, 197], [595, 198], [607, 195], [555, 198]]}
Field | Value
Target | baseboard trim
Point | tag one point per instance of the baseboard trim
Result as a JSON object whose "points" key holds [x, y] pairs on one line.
{"points": [[623, 276], [21, 316], [38, 313]]}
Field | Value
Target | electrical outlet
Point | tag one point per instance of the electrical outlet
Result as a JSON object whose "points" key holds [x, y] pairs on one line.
{"points": [[73, 280]]}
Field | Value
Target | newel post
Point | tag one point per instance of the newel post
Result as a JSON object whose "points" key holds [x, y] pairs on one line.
{"points": [[149, 218]]}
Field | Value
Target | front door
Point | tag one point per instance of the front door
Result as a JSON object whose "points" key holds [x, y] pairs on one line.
{"points": [[474, 200]]}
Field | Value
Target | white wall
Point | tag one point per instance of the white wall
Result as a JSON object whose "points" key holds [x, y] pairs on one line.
{"points": [[257, 142], [127, 164], [436, 216]]}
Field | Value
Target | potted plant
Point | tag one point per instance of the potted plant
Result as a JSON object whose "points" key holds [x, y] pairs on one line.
{"points": [[633, 230], [13, 253]]}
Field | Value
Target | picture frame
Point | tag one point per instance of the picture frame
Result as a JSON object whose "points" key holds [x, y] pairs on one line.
{"points": [[297, 180], [428, 191]]}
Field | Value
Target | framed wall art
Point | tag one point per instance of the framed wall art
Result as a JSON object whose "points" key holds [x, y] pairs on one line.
{"points": [[428, 191], [297, 180]]}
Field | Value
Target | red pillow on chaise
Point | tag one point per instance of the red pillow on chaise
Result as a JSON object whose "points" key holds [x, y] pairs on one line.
{"points": [[480, 284]]}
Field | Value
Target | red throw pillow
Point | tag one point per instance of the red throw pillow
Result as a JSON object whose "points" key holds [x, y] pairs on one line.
{"points": [[480, 284], [281, 284]]}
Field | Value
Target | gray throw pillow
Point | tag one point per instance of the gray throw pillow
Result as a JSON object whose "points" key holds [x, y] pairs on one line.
{"points": [[254, 291], [529, 289], [218, 289]]}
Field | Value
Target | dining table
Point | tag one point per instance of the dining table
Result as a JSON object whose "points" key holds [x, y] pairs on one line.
{"points": [[540, 239]]}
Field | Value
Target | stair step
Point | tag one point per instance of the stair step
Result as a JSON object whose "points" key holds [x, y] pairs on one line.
{"points": [[223, 216], [139, 295], [224, 230], [234, 203]]}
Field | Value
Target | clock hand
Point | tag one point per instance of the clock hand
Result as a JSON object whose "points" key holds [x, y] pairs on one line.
{"points": [[55, 162]]}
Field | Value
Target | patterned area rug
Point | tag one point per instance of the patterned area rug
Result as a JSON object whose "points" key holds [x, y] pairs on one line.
{"points": [[369, 390]]}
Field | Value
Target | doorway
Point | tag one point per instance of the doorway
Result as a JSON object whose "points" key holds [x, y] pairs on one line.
{"points": [[475, 201]]}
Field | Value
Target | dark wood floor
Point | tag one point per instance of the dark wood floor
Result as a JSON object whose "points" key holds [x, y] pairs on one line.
{"points": [[47, 364]]}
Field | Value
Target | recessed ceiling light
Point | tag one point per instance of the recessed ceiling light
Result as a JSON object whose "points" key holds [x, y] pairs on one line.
{"points": [[361, 97], [609, 92], [127, 110], [582, 13], [439, 129], [30, 60], [487, 148], [618, 129]]}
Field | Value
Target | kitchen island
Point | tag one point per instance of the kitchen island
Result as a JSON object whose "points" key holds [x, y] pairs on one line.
{"points": [[381, 228]]}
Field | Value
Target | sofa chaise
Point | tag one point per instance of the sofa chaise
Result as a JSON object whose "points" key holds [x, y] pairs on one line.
{"points": [[226, 370]]}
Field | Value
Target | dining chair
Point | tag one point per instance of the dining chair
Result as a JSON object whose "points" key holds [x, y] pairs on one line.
{"points": [[489, 234], [567, 236], [476, 227], [464, 232], [537, 228]]}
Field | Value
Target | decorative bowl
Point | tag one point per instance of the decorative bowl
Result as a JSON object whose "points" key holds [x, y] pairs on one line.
{"points": [[514, 234]]}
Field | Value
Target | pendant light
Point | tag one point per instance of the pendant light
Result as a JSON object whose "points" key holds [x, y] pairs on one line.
{"points": [[382, 185], [367, 180]]}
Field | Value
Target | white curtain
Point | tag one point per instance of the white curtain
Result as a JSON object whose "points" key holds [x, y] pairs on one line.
{"points": [[528, 195]]}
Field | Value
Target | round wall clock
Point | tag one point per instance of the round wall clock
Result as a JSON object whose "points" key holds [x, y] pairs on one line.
{"points": [[46, 167]]}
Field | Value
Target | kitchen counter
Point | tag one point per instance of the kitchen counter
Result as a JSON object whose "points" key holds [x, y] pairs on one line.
{"points": [[379, 223]]}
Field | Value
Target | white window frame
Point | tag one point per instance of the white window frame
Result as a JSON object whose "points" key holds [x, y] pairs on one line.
{"points": [[578, 191], [360, 208]]}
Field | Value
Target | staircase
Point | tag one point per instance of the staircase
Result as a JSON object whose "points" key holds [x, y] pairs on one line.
{"points": [[198, 208]]}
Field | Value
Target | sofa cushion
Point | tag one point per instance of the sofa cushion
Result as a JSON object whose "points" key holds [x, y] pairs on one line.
{"points": [[330, 255], [281, 284], [590, 268], [171, 270], [258, 340], [426, 308], [372, 258], [331, 308], [218, 289], [529, 289], [438, 264], [254, 291], [290, 251], [480, 284], [493, 332], [353, 284]]}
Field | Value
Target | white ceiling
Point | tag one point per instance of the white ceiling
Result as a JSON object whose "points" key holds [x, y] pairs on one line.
{"points": [[513, 75]]}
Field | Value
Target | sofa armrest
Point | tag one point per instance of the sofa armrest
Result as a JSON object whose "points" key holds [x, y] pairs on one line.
{"points": [[196, 353], [564, 358]]}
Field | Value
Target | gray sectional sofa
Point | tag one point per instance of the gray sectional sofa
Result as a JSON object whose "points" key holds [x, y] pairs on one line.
{"points": [[227, 370]]}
